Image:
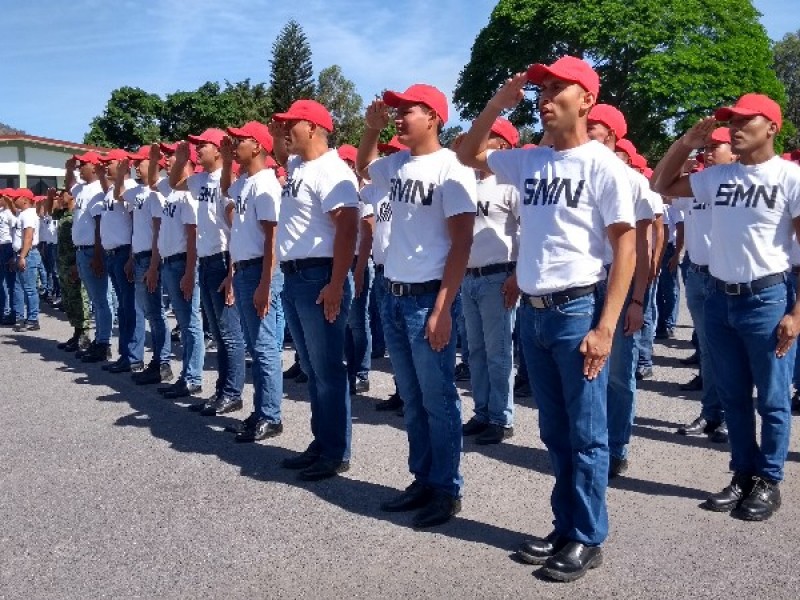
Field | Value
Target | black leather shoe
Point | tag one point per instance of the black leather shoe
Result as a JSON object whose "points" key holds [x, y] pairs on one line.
{"points": [[154, 373], [200, 406], [301, 461], [720, 434], [361, 386], [762, 501], [69, 342], [163, 389], [415, 496], [474, 427], [81, 352], [697, 427], [494, 434], [796, 403], [694, 359], [81, 342], [97, 353], [262, 430], [126, 367], [224, 404], [323, 468], [440, 509], [695, 385], [117, 362], [617, 467], [729, 498], [572, 562], [244, 424], [293, 371], [461, 372], [536, 551], [643, 373], [393, 403], [187, 389]]}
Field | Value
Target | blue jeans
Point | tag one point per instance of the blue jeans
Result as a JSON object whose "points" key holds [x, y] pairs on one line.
{"points": [[224, 326], [697, 290], [26, 296], [187, 313], [622, 387], [460, 325], [97, 289], [376, 295], [130, 317], [7, 281], [264, 339], [49, 254], [669, 288], [320, 345], [572, 414], [644, 343], [151, 307], [425, 380], [741, 333], [490, 327], [358, 335]]}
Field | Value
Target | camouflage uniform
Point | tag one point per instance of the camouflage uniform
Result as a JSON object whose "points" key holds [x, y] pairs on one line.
{"points": [[74, 298]]}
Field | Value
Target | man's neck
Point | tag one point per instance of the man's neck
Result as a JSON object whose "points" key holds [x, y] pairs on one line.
{"points": [[570, 138], [314, 150], [758, 156], [428, 145], [254, 166]]}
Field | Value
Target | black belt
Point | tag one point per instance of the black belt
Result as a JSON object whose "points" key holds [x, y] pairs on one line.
{"points": [[174, 257], [143, 254], [87, 247], [492, 269], [379, 269], [396, 288], [293, 266], [796, 269], [698, 268], [755, 286], [557, 298], [248, 263], [118, 250], [204, 260]]}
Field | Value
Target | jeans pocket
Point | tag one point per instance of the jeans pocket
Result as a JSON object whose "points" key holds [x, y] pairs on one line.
{"points": [[579, 307], [771, 296], [315, 274]]}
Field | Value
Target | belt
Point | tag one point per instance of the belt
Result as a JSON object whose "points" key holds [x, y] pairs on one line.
{"points": [[293, 266], [86, 247], [396, 288], [557, 298], [118, 250], [698, 268], [212, 257], [248, 263], [379, 269], [796, 269], [174, 257], [755, 286], [143, 254], [492, 269]]}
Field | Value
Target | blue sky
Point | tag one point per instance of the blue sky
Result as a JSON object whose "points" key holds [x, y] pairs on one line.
{"points": [[63, 63]]}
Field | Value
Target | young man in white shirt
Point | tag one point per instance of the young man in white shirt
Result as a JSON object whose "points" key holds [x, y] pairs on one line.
{"points": [[48, 226], [573, 197], [89, 255], [141, 201], [752, 317], [8, 219], [317, 233], [213, 232], [116, 229], [433, 214], [27, 261], [489, 314], [257, 279]]}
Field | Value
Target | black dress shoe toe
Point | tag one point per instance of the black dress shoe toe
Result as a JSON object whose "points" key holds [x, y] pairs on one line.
{"points": [[441, 508], [163, 389], [494, 434], [537, 550], [694, 359], [125, 367], [474, 427], [323, 468], [415, 496], [617, 467], [187, 389], [696, 427], [244, 424], [796, 403], [730, 497], [262, 430], [720, 434], [572, 562], [301, 461], [224, 404], [761, 503], [392, 403]]}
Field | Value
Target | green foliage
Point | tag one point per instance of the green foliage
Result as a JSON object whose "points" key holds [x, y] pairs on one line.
{"points": [[338, 94], [787, 67], [664, 63], [292, 75], [131, 118], [449, 134]]}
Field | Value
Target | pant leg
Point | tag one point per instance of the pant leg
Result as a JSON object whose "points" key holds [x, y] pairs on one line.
{"points": [[187, 313], [130, 318], [97, 289], [461, 329], [622, 388], [645, 341], [358, 340], [151, 305], [375, 325]]}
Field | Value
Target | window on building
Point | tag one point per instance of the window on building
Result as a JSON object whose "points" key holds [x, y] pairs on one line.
{"points": [[9, 181], [39, 185]]}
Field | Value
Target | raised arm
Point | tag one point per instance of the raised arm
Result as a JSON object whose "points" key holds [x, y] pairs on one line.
{"points": [[668, 178], [69, 173], [177, 174], [376, 119]]}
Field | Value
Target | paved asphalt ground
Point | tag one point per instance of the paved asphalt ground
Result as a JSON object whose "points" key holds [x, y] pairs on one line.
{"points": [[109, 491]]}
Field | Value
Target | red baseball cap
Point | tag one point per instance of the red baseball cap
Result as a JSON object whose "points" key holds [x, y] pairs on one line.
{"points": [[750, 105], [567, 68], [796, 154], [393, 145], [721, 135], [611, 117], [420, 93], [167, 147], [209, 136], [24, 193], [307, 110], [638, 161], [648, 172], [270, 163], [115, 154], [700, 158], [142, 153], [280, 172], [626, 146], [92, 158], [10, 192], [253, 129], [347, 152], [503, 128]]}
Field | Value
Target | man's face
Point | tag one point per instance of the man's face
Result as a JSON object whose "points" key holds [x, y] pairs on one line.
{"points": [[414, 121], [207, 154], [86, 171], [561, 103], [598, 132], [111, 168], [298, 136], [717, 153], [245, 150], [20, 203], [751, 133], [497, 142], [142, 167], [623, 156]]}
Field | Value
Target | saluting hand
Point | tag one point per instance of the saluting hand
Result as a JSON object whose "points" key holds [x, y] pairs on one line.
{"points": [[226, 150], [182, 153], [155, 153], [699, 132], [510, 93], [787, 332], [595, 347], [331, 299], [377, 116]]}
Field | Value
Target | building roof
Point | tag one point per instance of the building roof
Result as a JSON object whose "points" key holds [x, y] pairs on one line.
{"points": [[34, 139]]}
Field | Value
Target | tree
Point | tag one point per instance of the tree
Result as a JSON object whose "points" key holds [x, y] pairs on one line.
{"points": [[338, 94], [787, 66], [8, 130], [449, 134], [130, 119], [292, 75], [664, 63]]}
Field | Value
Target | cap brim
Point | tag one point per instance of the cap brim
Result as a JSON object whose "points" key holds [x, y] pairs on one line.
{"points": [[395, 99], [537, 72], [197, 140], [236, 132], [287, 116], [726, 112], [168, 147]]}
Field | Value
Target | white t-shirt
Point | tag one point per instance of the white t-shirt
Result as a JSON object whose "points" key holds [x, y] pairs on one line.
{"points": [[27, 219], [794, 253], [312, 190], [86, 195], [382, 208], [365, 211], [255, 198], [568, 199], [116, 225], [643, 209], [48, 229], [752, 207], [696, 229], [7, 221], [142, 202], [212, 227], [672, 216], [179, 210], [496, 233], [424, 191], [656, 202]]}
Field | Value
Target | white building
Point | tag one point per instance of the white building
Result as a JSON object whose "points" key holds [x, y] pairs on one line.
{"points": [[36, 163]]}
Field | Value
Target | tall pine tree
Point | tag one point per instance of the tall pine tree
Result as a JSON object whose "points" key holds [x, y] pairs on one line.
{"points": [[292, 76]]}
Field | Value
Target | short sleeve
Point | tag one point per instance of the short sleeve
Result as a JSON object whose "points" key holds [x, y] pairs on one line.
{"points": [[702, 183], [614, 196], [75, 190], [163, 187], [506, 165], [195, 182], [265, 200], [336, 187], [459, 190], [367, 210], [383, 169], [793, 191], [188, 210]]}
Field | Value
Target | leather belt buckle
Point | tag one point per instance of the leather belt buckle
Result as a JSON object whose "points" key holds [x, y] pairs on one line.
{"points": [[733, 289], [397, 289], [541, 301]]}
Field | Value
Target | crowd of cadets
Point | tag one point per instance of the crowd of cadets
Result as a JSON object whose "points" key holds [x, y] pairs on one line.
{"points": [[569, 251]]}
